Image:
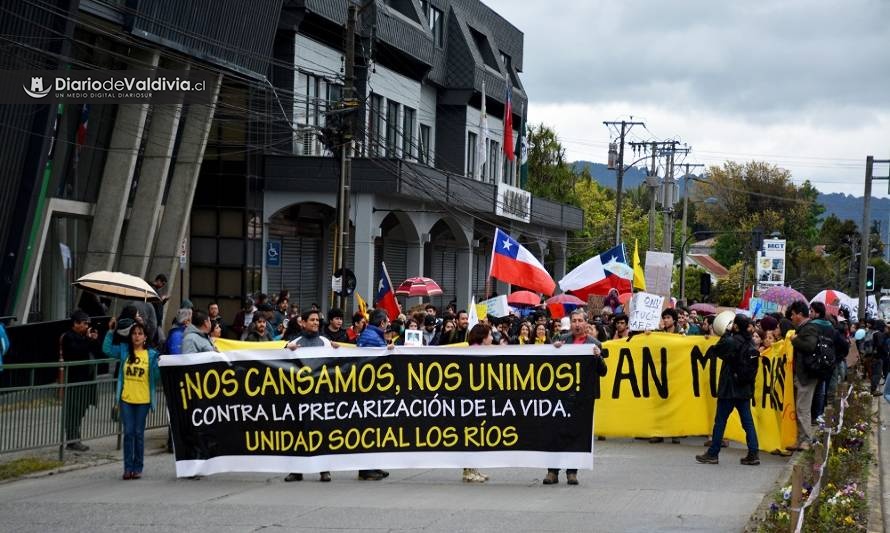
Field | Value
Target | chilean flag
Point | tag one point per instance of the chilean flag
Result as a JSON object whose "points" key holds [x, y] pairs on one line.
{"points": [[599, 274], [512, 263], [386, 296]]}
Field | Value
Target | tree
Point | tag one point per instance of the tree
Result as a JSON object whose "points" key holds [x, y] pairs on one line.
{"points": [[549, 175], [729, 289]]}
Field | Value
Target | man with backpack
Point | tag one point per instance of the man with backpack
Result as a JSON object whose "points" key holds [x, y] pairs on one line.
{"points": [[813, 344], [735, 388]]}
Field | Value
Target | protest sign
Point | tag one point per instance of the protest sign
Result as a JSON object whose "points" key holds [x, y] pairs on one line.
{"points": [[496, 306], [317, 409], [659, 272], [645, 311], [413, 338]]}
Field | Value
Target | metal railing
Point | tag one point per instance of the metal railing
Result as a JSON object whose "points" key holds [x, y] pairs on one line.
{"points": [[36, 415]]}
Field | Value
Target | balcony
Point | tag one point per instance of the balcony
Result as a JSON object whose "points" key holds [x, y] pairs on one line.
{"points": [[402, 178]]}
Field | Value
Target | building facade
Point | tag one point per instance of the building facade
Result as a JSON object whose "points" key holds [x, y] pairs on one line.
{"points": [[420, 201]]}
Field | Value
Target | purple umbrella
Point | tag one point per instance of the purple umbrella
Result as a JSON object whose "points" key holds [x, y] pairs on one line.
{"points": [[782, 295], [707, 309]]}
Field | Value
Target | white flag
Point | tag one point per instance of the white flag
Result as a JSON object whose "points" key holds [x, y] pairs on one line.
{"points": [[472, 315], [482, 141]]}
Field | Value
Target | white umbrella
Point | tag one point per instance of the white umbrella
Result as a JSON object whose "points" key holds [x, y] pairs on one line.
{"points": [[117, 284]]}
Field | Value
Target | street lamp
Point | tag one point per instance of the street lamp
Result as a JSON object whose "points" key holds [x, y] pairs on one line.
{"points": [[709, 201]]}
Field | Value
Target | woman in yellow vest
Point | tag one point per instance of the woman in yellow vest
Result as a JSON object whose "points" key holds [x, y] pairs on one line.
{"points": [[137, 374]]}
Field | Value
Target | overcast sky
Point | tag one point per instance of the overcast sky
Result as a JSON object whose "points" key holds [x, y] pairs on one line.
{"points": [[804, 84]]}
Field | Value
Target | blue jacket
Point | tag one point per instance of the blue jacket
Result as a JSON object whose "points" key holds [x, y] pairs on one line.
{"points": [[371, 337], [121, 352], [174, 340]]}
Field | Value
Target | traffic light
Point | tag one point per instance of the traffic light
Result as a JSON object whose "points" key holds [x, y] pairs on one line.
{"points": [[869, 279]]}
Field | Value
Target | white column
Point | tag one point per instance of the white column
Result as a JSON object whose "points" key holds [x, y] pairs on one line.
{"points": [[365, 233]]}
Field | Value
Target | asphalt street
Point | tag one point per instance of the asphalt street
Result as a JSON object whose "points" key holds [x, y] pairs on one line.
{"points": [[635, 486]]}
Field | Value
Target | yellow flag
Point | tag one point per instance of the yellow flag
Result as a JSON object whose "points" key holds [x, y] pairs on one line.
{"points": [[639, 276], [362, 306]]}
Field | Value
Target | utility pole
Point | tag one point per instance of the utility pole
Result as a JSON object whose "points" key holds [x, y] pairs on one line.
{"points": [[653, 147], [347, 105], [619, 174], [865, 229], [668, 195], [683, 238]]}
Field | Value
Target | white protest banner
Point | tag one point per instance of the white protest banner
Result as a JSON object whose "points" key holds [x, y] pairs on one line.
{"points": [[645, 311], [852, 305], [659, 272]]}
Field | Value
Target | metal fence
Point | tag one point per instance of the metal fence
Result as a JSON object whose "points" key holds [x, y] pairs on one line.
{"points": [[35, 415]]}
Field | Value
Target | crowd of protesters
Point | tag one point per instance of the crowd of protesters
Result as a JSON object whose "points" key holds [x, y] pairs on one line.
{"points": [[138, 336]]}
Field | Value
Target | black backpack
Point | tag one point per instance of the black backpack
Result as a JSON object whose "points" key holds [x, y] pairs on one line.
{"points": [[747, 365], [820, 363]]}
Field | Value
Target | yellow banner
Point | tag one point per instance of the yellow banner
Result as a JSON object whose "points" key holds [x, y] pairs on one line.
{"points": [[664, 385]]}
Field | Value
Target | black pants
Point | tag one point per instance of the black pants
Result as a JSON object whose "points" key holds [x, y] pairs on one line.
{"points": [[877, 372], [76, 404]]}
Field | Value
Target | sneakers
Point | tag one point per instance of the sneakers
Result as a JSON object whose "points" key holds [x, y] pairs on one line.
{"points": [[572, 478], [752, 459], [551, 478], [293, 476], [77, 446], [707, 459], [656, 440], [471, 475], [324, 476]]}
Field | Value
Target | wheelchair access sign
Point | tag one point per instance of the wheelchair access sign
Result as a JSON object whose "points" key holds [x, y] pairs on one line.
{"points": [[273, 253]]}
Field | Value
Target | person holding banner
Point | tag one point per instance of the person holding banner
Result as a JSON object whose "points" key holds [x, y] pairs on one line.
{"points": [[374, 337], [735, 388], [578, 335], [479, 335], [310, 337]]}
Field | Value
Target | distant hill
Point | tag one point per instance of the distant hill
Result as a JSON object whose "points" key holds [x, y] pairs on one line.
{"points": [[633, 177]]}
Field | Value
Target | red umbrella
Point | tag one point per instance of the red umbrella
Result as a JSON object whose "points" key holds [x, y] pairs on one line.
{"points": [[565, 299], [419, 287], [523, 298]]}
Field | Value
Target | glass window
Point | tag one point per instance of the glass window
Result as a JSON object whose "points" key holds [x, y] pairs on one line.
{"points": [[392, 128], [471, 155], [408, 133], [423, 154], [493, 165], [375, 126], [437, 25]]}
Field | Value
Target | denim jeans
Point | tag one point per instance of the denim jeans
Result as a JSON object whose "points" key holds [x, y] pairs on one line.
{"points": [[133, 417], [724, 409], [887, 388], [818, 405]]}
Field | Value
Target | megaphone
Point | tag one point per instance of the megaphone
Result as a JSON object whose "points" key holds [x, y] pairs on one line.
{"points": [[723, 321]]}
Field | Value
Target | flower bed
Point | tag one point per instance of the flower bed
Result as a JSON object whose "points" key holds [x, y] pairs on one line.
{"points": [[841, 505]]}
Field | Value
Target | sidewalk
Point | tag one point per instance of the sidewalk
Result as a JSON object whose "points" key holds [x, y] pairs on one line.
{"points": [[883, 459]]}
